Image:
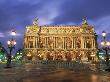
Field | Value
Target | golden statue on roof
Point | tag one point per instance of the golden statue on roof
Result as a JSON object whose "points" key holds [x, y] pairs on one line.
{"points": [[84, 21], [35, 22]]}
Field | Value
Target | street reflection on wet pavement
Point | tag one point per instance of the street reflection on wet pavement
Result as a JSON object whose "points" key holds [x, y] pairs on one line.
{"points": [[46, 73]]}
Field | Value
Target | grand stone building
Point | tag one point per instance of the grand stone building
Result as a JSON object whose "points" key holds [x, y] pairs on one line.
{"points": [[60, 42]]}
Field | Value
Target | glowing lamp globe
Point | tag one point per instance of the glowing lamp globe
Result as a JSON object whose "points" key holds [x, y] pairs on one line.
{"points": [[104, 33], [102, 43], [13, 33], [14, 42], [108, 43], [8, 42]]}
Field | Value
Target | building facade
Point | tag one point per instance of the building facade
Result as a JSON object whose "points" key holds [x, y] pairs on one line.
{"points": [[60, 42]]}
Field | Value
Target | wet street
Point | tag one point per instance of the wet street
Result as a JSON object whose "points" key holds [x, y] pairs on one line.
{"points": [[49, 73]]}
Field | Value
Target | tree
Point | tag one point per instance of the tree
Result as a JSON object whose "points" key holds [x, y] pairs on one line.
{"points": [[3, 53], [19, 54]]}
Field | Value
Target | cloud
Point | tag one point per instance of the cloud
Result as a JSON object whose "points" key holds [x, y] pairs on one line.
{"points": [[1, 35], [17, 14], [49, 12], [102, 24], [75, 10]]}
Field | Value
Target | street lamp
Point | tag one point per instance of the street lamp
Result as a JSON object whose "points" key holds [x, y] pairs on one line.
{"points": [[13, 33], [104, 33], [11, 45], [105, 46]]}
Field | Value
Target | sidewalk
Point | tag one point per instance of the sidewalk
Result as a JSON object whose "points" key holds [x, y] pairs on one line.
{"points": [[47, 73]]}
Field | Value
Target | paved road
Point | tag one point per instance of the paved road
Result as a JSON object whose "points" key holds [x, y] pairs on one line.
{"points": [[48, 73], [67, 76]]}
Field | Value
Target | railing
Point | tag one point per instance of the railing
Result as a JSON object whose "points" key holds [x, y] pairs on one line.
{"points": [[72, 65]]}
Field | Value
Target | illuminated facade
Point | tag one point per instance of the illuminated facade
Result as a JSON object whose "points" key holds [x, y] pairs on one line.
{"points": [[60, 42]]}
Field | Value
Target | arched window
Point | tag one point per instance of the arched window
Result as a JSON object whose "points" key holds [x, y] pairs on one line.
{"points": [[50, 42], [68, 43], [78, 43], [30, 44], [59, 42], [88, 44]]}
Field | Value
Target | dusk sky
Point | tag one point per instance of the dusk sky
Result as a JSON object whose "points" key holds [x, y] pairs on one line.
{"points": [[16, 14]]}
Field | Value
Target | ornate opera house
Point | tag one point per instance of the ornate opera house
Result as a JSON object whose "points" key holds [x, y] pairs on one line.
{"points": [[60, 42]]}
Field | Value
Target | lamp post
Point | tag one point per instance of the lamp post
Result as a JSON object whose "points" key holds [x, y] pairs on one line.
{"points": [[105, 46], [11, 45]]}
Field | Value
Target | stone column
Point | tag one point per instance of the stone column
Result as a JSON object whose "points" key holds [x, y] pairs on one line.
{"points": [[36, 43], [26, 42], [85, 43], [28, 45], [82, 42], [65, 43], [62, 42], [72, 43], [56, 39], [75, 43], [92, 43], [45, 42], [56, 42], [32, 42], [53, 42]]}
